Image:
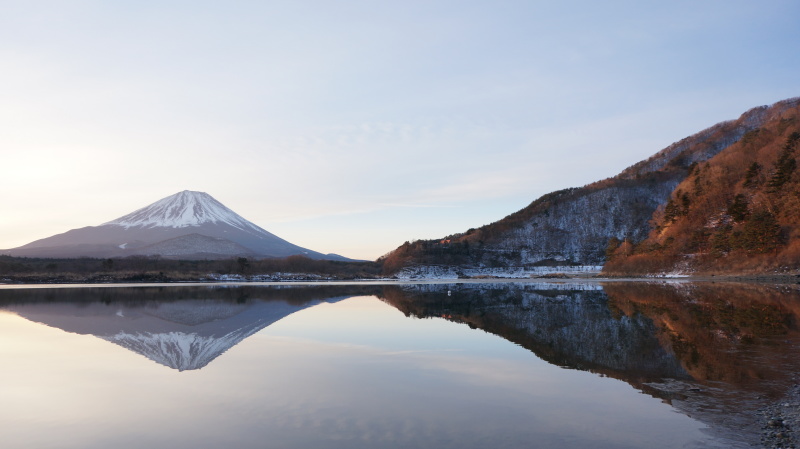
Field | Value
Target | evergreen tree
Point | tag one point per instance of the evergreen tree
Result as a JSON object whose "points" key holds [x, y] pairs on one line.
{"points": [[761, 233], [738, 210], [750, 178], [721, 241], [786, 163], [671, 211]]}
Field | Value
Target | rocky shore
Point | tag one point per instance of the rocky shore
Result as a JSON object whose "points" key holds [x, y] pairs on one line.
{"points": [[780, 422]]}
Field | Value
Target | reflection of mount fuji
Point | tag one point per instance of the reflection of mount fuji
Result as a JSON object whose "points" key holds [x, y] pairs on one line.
{"points": [[184, 335]]}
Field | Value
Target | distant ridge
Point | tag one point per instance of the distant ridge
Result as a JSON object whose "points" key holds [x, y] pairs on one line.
{"points": [[187, 224]]}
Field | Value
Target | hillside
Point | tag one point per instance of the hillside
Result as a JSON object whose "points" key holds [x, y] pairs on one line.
{"points": [[738, 212], [573, 226]]}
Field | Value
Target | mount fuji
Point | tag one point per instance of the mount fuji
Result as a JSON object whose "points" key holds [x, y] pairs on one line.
{"points": [[185, 225]]}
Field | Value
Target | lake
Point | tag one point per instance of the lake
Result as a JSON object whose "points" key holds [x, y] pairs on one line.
{"points": [[463, 365]]}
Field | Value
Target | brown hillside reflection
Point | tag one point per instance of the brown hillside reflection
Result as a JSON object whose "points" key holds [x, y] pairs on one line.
{"points": [[719, 353], [739, 334], [743, 335]]}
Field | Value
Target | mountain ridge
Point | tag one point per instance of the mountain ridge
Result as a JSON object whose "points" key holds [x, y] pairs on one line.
{"points": [[573, 226]]}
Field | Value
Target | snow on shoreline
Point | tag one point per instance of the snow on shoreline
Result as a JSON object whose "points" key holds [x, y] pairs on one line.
{"points": [[268, 277], [445, 272]]}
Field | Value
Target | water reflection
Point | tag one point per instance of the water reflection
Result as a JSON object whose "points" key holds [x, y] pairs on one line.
{"points": [[717, 352], [568, 325], [183, 329], [315, 366], [740, 334]]}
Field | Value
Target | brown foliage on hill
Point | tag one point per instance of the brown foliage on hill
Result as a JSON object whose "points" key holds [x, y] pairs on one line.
{"points": [[738, 212], [709, 326]]}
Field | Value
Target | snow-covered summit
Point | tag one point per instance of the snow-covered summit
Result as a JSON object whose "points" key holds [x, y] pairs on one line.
{"points": [[183, 209]]}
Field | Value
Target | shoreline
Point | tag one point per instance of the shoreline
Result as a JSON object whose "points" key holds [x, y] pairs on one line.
{"points": [[162, 280], [779, 420]]}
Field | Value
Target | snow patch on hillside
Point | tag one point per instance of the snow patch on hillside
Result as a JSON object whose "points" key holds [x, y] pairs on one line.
{"points": [[444, 272]]}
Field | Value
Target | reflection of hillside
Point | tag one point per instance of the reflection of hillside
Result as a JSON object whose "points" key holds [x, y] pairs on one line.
{"points": [[735, 333], [182, 328], [568, 327], [732, 333], [716, 352]]}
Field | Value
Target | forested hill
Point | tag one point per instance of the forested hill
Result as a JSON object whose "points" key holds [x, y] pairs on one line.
{"points": [[738, 212], [574, 226]]}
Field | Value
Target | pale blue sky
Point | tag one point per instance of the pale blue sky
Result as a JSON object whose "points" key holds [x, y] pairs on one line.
{"points": [[353, 126]]}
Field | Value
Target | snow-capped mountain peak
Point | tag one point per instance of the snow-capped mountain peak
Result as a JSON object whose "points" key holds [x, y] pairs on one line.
{"points": [[187, 225], [183, 209]]}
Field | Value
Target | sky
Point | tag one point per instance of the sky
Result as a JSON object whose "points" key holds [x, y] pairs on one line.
{"points": [[350, 127]]}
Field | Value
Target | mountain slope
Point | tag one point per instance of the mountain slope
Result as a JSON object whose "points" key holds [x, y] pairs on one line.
{"points": [[738, 212], [194, 246], [147, 230], [573, 226]]}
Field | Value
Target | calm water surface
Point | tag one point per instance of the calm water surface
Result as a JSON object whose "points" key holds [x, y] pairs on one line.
{"points": [[405, 366]]}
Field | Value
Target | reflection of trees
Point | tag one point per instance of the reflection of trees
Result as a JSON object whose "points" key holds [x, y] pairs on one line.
{"points": [[292, 294], [568, 328], [734, 333], [637, 332]]}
